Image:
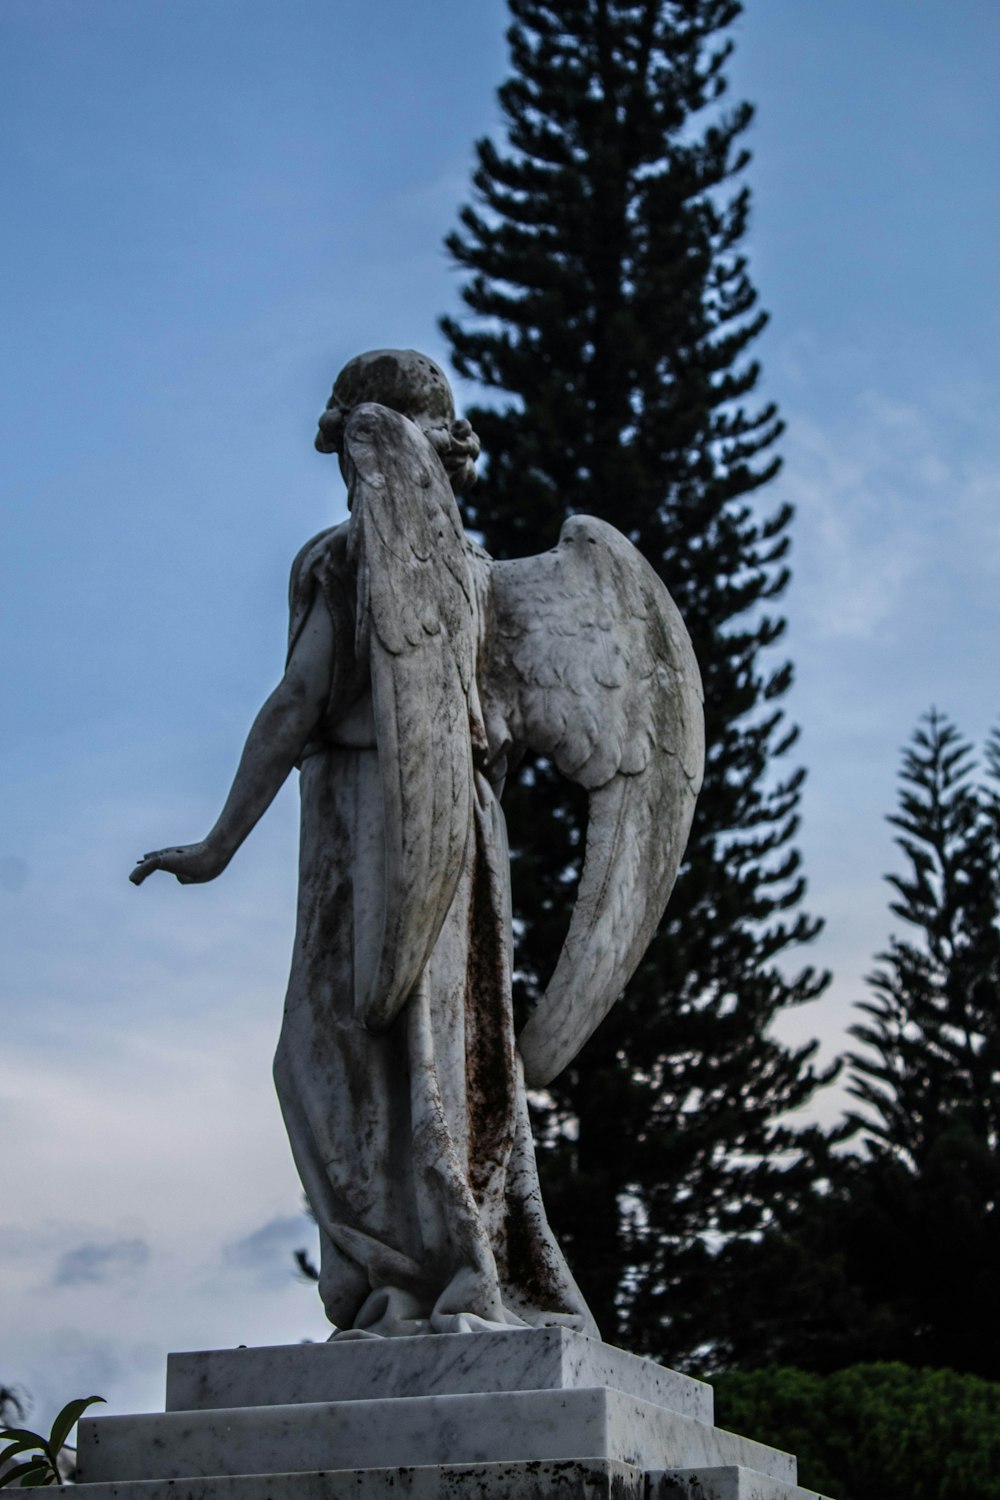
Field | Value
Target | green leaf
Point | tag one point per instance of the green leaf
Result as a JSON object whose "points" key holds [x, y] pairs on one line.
{"points": [[67, 1420], [23, 1445], [22, 1472], [23, 1434], [39, 1477]]}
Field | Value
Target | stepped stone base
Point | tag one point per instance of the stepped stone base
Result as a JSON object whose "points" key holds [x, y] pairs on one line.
{"points": [[519, 1415], [461, 1364], [578, 1479], [721, 1484]]}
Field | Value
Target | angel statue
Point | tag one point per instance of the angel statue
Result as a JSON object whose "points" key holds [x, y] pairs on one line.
{"points": [[419, 671]]}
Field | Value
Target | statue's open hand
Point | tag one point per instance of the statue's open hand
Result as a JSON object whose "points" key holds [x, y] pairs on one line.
{"points": [[191, 863]]}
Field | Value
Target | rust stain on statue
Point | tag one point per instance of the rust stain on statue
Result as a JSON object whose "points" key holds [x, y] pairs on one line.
{"points": [[489, 1054], [525, 1258]]}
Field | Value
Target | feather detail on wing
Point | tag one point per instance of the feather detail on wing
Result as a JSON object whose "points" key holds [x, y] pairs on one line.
{"points": [[416, 626], [589, 663]]}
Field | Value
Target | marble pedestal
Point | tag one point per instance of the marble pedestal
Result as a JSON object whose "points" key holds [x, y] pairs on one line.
{"points": [[520, 1415]]}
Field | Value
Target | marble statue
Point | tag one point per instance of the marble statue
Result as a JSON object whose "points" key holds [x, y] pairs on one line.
{"points": [[419, 671]]}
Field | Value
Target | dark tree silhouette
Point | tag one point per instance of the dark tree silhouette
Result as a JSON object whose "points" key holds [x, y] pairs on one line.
{"points": [[610, 308], [897, 1258], [931, 1059]]}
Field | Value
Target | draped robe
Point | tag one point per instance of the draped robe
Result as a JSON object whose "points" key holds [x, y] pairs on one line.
{"points": [[413, 1145]]}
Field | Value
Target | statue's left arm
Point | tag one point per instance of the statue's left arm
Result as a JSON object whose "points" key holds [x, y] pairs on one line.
{"points": [[277, 738]]}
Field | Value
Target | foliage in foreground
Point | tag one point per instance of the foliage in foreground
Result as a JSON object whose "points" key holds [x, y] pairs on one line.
{"points": [[874, 1432], [37, 1457]]}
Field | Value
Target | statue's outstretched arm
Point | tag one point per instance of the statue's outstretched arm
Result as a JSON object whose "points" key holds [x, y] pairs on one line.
{"points": [[276, 740]]}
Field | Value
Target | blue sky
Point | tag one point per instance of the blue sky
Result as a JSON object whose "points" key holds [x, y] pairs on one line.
{"points": [[209, 206]]}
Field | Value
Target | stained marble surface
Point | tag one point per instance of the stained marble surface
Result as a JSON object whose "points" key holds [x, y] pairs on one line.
{"points": [[490, 1428], [579, 1479], [725, 1483], [433, 1365], [417, 667], [576, 1479]]}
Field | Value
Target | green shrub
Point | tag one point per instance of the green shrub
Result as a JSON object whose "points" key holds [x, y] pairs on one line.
{"points": [[874, 1432]]}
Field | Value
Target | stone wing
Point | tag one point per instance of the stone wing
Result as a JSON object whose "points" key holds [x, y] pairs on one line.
{"points": [[416, 626], [589, 663]]}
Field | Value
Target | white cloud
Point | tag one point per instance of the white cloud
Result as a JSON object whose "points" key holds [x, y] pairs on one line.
{"points": [[267, 1253], [144, 1139], [897, 505], [108, 1260], [896, 549]]}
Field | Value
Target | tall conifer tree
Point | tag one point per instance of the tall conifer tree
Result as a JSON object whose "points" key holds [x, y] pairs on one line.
{"points": [[896, 1259], [931, 1064], [611, 308], [920, 1234]]}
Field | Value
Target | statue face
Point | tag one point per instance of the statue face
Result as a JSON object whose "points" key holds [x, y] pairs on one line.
{"points": [[401, 379]]}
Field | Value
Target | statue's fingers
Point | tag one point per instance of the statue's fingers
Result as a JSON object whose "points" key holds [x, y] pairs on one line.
{"points": [[146, 865]]}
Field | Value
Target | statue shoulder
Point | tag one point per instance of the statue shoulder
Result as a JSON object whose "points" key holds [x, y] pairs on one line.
{"points": [[328, 549], [321, 563]]}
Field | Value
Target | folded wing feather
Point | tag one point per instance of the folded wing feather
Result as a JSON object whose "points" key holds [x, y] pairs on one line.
{"points": [[586, 660], [416, 626], [589, 663]]}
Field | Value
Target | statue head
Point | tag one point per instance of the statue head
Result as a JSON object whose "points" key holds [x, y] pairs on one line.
{"points": [[417, 388]]}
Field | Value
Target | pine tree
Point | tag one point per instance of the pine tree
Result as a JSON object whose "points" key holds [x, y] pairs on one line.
{"points": [[897, 1258], [923, 1213], [932, 1059], [612, 312]]}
